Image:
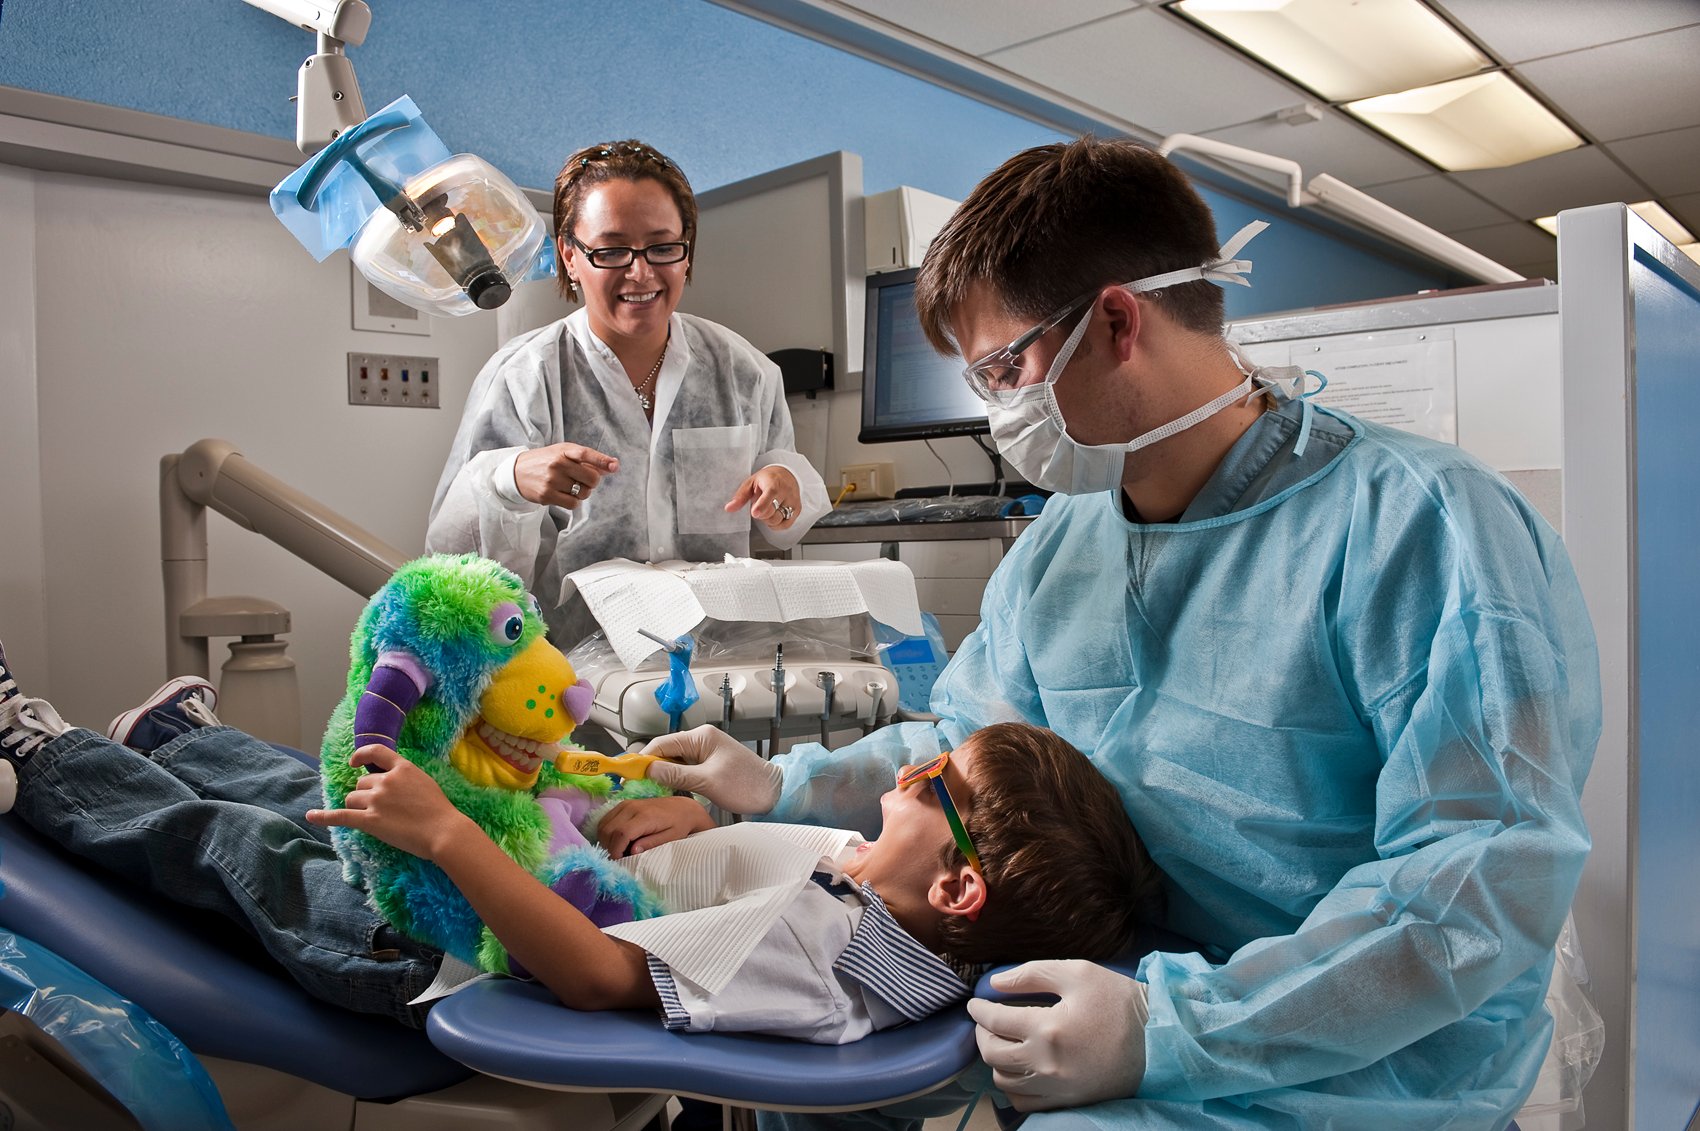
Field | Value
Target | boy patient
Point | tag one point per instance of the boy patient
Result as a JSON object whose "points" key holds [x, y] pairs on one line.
{"points": [[1010, 847]]}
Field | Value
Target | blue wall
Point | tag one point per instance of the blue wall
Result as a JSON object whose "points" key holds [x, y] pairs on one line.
{"points": [[1667, 1020], [524, 82]]}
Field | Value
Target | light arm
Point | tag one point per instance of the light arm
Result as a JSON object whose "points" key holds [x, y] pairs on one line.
{"points": [[327, 99], [1359, 207]]}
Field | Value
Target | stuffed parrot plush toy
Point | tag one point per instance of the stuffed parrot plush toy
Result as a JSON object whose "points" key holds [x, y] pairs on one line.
{"points": [[449, 665]]}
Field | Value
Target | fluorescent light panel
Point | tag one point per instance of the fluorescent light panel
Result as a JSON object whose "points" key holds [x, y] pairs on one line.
{"points": [[1657, 218], [1662, 222], [1479, 122], [1340, 48]]}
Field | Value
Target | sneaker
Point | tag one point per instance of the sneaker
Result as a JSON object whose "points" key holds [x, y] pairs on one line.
{"points": [[8, 685], [25, 725], [178, 707]]}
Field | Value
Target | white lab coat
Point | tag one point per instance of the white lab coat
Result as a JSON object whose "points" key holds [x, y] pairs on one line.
{"points": [[720, 414]]}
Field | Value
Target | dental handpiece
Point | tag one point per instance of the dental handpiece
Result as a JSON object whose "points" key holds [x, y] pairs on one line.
{"points": [[826, 681], [726, 701], [876, 697], [778, 698]]}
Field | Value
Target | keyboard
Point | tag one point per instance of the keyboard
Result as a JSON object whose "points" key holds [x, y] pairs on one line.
{"points": [[944, 508]]}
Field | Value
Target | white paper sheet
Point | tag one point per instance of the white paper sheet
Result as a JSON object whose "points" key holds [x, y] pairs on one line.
{"points": [[671, 598], [452, 975], [723, 889]]}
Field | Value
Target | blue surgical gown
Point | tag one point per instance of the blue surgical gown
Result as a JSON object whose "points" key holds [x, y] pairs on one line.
{"points": [[1351, 717]]}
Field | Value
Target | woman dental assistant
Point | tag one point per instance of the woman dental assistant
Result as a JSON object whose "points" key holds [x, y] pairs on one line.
{"points": [[626, 429]]}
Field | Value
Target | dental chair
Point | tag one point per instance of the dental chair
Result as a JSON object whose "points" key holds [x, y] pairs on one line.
{"points": [[498, 1053], [282, 1059]]}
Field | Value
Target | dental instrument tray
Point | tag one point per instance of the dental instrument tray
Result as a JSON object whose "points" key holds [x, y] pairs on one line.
{"points": [[778, 649]]}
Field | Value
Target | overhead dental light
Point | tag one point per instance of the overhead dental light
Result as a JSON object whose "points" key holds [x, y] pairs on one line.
{"points": [[445, 233]]}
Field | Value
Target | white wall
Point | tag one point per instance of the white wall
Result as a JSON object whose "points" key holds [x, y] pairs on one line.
{"points": [[162, 316], [23, 623]]}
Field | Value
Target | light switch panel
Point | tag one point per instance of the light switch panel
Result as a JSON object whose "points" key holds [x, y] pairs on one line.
{"points": [[393, 380]]}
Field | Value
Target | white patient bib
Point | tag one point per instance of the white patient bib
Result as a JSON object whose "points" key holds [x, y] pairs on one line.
{"points": [[723, 889]]}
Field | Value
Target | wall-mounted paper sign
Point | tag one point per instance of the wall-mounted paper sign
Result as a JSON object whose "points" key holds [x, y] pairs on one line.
{"points": [[1405, 379]]}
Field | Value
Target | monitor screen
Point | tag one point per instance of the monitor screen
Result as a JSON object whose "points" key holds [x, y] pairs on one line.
{"points": [[909, 392]]}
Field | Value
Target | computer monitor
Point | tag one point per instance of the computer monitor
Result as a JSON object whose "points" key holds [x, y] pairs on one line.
{"points": [[909, 392]]}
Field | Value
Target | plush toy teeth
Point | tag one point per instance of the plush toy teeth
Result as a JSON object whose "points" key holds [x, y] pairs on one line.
{"points": [[523, 754]]}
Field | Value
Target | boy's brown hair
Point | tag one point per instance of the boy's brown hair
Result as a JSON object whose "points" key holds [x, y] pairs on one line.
{"points": [[1057, 221], [1066, 875], [629, 160]]}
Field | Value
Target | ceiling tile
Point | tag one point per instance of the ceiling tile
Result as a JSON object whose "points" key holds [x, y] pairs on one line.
{"points": [[1625, 89], [1541, 187], [1336, 145], [1510, 243], [1685, 208], [1669, 162], [979, 26], [1519, 30], [1438, 202], [1150, 68]]}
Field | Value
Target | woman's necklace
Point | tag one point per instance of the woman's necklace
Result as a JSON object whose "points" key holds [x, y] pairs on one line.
{"points": [[643, 389]]}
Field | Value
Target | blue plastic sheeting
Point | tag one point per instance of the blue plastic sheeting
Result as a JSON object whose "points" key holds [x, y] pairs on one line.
{"points": [[133, 1056], [205, 979]]}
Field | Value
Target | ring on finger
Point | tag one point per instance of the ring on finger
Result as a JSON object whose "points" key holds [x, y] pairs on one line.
{"points": [[576, 489], [785, 513]]}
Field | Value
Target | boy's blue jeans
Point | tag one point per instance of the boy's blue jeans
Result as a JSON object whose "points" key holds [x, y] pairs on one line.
{"points": [[213, 819]]}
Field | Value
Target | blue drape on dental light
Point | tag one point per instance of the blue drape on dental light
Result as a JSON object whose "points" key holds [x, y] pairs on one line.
{"points": [[1352, 722]]}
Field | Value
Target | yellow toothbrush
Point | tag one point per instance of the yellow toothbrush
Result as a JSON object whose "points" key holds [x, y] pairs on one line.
{"points": [[631, 766]]}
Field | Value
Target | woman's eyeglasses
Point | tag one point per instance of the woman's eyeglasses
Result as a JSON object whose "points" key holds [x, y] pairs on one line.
{"points": [[933, 770], [658, 254]]}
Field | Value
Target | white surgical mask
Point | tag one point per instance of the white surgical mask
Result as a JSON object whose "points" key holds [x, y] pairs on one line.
{"points": [[1028, 426]]}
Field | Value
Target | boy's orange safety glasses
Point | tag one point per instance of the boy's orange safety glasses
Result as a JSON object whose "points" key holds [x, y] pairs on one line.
{"points": [[933, 770]]}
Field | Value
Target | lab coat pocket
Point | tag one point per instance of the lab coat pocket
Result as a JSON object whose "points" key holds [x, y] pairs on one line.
{"points": [[708, 466]]}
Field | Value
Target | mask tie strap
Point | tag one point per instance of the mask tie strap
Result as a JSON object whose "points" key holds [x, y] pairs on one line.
{"points": [[1276, 374], [1223, 269], [1201, 413], [1309, 410], [1226, 268]]}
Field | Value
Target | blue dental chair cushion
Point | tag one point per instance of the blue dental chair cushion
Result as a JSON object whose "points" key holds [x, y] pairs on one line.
{"points": [[204, 979], [631, 1051]]}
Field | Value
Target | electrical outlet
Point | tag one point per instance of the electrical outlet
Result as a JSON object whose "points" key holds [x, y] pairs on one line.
{"points": [[868, 480], [389, 379]]}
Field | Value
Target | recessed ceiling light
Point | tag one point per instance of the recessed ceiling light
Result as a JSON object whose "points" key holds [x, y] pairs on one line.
{"points": [[1692, 250], [1657, 218], [1480, 122], [1342, 49], [1663, 222]]}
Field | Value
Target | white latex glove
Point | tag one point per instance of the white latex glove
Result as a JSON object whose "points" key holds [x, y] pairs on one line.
{"points": [[1089, 1046], [709, 761]]}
